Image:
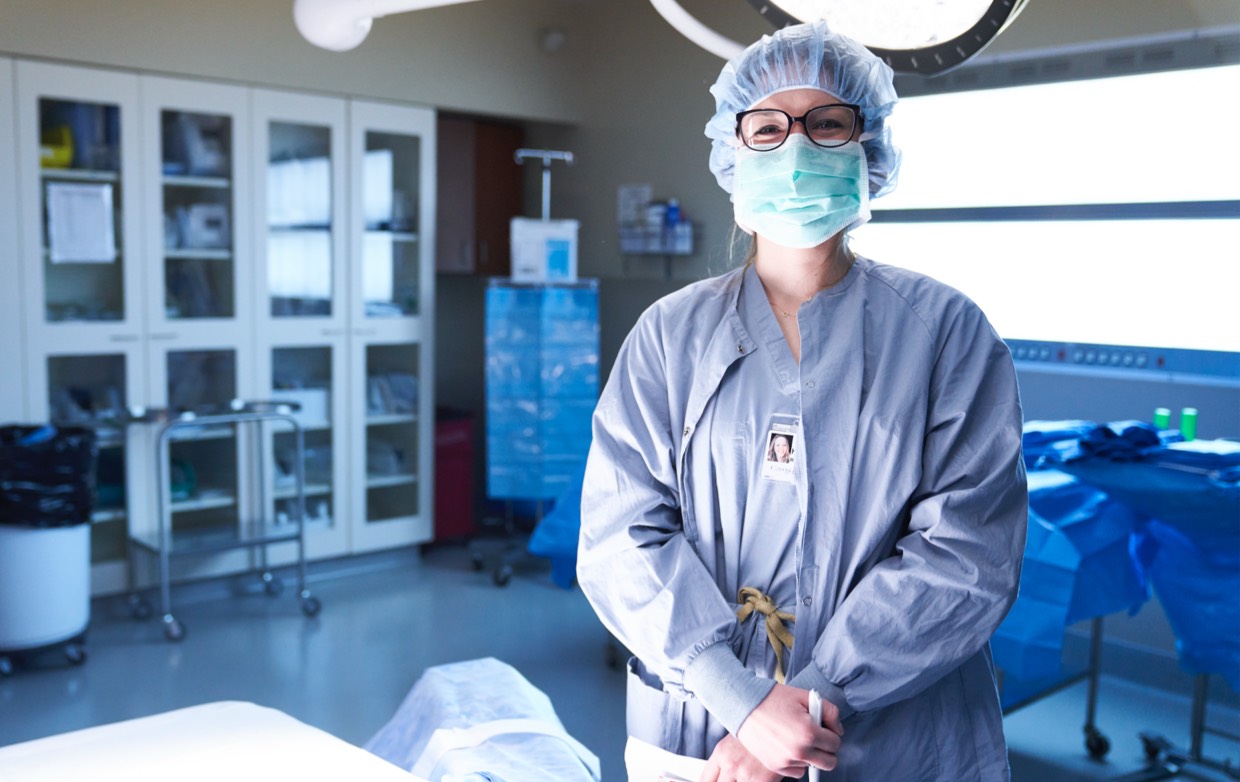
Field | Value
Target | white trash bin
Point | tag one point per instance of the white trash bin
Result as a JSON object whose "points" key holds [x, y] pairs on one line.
{"points": [[44, 586], [46, 497]]}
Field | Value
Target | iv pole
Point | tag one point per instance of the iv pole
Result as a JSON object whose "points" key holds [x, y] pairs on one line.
{"points": [[547, 155]]}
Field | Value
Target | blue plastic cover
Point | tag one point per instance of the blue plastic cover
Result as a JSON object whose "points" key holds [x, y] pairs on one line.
{"points": [[1188, 497], [555, 536], [1077, 566], [542, 377], [1192, 486], [1045, 442], [1128, 507], [1197, 588]]}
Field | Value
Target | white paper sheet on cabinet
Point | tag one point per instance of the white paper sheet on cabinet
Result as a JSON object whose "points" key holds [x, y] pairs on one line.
{"points": [[79, 223]]}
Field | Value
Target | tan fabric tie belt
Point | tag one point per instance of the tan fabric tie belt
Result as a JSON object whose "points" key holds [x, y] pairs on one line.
{"points": [[777, 633]]}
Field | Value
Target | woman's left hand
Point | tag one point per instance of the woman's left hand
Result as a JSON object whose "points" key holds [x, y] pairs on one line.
{"points": [[780, 733], [731, 762]]}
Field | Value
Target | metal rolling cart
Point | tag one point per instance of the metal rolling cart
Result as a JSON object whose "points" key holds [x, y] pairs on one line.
{"points": [[1189, 494], [165, 543], [1097, 744]]}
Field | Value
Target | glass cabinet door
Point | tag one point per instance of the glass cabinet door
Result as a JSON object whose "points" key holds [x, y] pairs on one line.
{"points": [[79, 205], [303, 188], [197, 166], [300, 276], [300, 260], [392, 156], [202, 464], [80, 161], [392, 435], [91, 386], [78, 153], [197, 188], [390, 262], [91, 390], [311, 377], [301, 307], [12, 394]]}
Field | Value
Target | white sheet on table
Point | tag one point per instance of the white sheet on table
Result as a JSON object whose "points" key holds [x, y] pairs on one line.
{"points": [[648, 763], [214, 742], [476, 697]]}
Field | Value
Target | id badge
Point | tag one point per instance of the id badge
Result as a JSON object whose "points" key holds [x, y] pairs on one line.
{"points": [[779, 452]]}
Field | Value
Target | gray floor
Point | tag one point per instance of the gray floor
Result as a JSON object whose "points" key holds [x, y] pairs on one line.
{"points": [[386, 619]]}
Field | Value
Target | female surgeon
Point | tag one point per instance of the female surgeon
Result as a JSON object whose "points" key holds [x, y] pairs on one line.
{"points": [[873, 569]]}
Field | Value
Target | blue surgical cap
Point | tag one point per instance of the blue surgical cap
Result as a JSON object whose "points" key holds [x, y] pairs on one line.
{"points": [[806, 55]]}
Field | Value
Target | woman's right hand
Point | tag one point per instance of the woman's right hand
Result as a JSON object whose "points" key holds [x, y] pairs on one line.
{"points": [[780, 733], [731, 762]]}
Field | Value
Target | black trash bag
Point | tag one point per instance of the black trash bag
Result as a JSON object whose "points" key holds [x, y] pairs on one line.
{"points": [[47, 475]]}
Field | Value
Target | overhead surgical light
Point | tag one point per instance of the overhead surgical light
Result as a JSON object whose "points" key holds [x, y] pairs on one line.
{"points": [[340, 25], [912, 36]]}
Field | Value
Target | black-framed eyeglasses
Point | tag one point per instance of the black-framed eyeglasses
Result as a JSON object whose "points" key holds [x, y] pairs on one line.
{"points": [[831, 125]]}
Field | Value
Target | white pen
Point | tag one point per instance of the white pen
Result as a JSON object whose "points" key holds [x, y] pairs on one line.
{"points": [[815, 714]]}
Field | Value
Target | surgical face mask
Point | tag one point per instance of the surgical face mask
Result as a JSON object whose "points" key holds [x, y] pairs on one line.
{"points": [[801, 194]]}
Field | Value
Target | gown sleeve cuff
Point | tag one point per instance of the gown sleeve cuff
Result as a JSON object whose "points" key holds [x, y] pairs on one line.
{"points": [[727, 689], [811, 678]]}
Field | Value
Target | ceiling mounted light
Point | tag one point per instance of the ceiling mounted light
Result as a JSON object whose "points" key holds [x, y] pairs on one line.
{"points": [[685, 24], [927, 37], [340, 25], [912, 36]]}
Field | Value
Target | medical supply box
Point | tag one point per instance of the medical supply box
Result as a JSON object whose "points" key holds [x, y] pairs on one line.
{"points": [[544, 250]]}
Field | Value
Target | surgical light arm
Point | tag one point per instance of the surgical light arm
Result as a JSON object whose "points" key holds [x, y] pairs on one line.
{"points": [[340, 25]]}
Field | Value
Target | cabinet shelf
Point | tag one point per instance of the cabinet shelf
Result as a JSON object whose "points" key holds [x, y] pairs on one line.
{"points": [[388, 419], [205, 541], [212, 182], [189, 253], [306, 426], [300, 228], [203, 503], [396, 236], [47, 255], [79, 174], [383, 481], [311, 490]]}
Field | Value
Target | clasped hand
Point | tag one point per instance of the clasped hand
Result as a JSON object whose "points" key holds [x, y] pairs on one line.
{"points": [[777, 740]]}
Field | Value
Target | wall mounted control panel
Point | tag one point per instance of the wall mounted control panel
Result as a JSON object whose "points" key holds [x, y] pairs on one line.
{"points": [[1223, 365]]}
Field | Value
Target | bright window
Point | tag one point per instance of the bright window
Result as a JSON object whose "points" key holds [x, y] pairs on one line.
{"points": [[999, 192]]}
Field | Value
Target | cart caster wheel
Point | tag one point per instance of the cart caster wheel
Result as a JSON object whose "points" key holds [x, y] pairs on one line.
{"points": [[1154, 746], [139, 609], [1096, 743], [502, 576], [6, 666], [310, 606], [273, 585], [173, 630], [477, 560], [76, 655]]}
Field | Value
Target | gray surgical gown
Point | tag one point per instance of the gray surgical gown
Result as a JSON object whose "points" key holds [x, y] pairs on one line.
{"points": [[895, 538]]}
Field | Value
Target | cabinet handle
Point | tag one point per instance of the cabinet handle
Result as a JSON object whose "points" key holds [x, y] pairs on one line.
{"points": [[365, 332], [333, 332], [123, 338], [164, 335]]}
